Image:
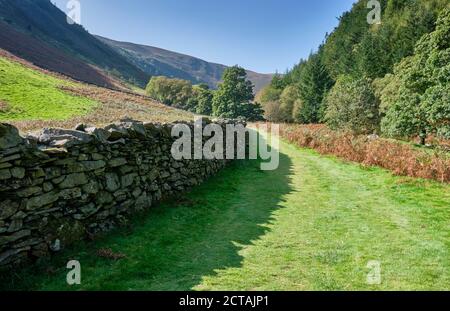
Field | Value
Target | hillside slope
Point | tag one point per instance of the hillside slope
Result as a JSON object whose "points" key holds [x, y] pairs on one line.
{"points": [[40, 20], [159, 62], [30, 94], [32, 98], [49, 57]]}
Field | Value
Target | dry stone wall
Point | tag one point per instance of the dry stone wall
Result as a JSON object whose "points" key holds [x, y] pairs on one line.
{"points": [[59, 186]]}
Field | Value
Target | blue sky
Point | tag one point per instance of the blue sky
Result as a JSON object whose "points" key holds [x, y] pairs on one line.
{"points": [[260, 35]]}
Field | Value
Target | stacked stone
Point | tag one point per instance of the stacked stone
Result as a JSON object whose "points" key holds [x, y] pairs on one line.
{"points": [[59, 186]]}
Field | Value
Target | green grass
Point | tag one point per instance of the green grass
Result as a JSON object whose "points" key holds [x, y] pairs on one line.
{"points": [[32, 95], [313, 224]]}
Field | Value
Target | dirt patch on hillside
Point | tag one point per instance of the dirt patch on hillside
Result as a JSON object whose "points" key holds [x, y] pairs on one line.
{"points": [[3, 106]]}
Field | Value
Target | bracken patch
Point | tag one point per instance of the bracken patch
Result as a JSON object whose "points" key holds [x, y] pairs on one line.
{"points": [[402, 158]]}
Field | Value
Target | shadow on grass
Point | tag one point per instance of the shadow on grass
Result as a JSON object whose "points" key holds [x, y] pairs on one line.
{"points": [[178, 242]]}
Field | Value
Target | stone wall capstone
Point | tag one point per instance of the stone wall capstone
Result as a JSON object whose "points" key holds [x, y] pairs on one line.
{"points": [[59, 186]]}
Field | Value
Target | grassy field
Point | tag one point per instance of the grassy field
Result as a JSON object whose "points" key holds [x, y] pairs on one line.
{"points": [[32, 99], [29, 94], [313, 224]]}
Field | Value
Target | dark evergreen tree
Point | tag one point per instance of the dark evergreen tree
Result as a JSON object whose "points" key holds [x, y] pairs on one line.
{"points": [[314, 83], [234, 92]]}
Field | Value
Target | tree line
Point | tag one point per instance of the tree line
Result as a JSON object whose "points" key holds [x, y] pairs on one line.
{"points": [[234, 97], [390, 78]]}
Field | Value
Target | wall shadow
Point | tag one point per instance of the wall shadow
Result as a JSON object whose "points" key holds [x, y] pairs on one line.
{"points": [[178, 242]]}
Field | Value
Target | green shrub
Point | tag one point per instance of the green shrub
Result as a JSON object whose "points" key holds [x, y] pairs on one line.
{"points": [[287, 101], [172, 92], [268, 94], [204, 97], [272, 112], [352, 105]]}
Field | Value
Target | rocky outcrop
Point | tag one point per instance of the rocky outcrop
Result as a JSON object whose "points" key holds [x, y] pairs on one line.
{"points": [[59, 186]]}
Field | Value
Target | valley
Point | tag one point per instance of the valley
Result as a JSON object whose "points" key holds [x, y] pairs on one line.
{"points": [[91, 172]]}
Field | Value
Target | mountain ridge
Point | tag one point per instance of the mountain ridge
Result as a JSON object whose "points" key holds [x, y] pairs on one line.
{"points": [[40, 20], [37, 31], [157, 61]]}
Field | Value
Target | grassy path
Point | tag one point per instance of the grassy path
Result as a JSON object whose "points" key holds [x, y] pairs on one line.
{"points": [[313, 224]]}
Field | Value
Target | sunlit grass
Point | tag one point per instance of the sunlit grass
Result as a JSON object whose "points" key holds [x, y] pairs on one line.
{"points": [[313, 224], [31, 95]]}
